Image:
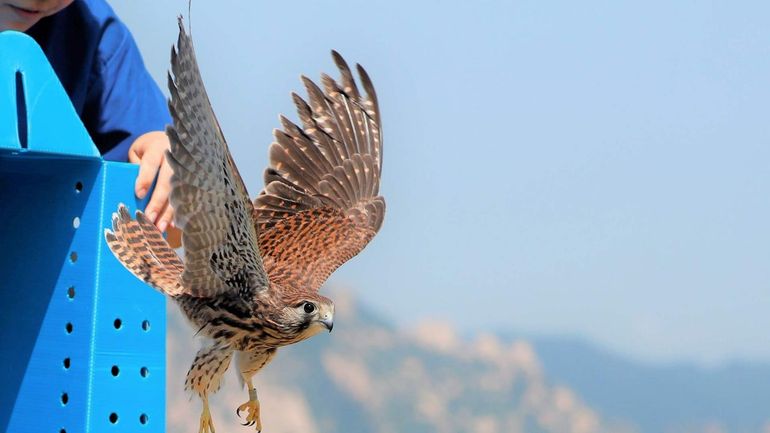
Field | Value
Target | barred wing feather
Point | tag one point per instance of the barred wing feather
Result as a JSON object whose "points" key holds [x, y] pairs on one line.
{"points": [[210, 200], [320, 206]]}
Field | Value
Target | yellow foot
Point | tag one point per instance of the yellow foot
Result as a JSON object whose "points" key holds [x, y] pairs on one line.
{"points": [[206, 426], [252, 418]]}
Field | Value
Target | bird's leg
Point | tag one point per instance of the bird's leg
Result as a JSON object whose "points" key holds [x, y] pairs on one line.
{"points": [[251, 408], [205, 376], [249, 363], [206, 424]]}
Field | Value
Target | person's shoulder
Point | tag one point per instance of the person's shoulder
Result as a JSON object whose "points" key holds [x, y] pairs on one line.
{"points": [[113, 34], [86, 20], [99, 11]]}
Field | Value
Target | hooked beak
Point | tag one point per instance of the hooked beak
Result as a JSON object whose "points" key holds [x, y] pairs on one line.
{"points": [[328, 322]]}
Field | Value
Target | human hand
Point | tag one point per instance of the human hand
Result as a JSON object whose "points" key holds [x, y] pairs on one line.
{"points": [[149, 151]]}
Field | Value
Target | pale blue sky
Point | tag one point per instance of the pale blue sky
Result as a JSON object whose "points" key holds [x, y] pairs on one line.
{"points": [[594, 168]]}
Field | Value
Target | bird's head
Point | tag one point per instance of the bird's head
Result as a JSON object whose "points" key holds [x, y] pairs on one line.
{"points": [[307, 315]]}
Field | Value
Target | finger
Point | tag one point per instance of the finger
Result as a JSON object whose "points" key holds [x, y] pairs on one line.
{"points": [[133, 153], [165, 218], [148, 168], [159, 200], [133, 157]]}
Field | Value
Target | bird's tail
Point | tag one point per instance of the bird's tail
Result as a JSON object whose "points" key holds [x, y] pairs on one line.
{"points": [[139, 246]]}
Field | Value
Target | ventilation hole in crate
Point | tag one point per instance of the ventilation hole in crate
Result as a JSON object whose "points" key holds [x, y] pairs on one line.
{"points": [[146, 325], [21, 110], [79, 187], [114, 418], [143, 418], [66, 363], [117, 323], [62, 430], [65, 399], [115, 370], [71, 292], [76, 222], [73, 256], [68, 328], [144, 371]]}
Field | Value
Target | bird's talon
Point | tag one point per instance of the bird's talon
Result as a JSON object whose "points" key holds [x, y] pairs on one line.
{"points": [[251, 408]]}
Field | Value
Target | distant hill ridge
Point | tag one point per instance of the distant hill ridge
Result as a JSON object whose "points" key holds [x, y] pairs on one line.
{"points": [[660, 398], [368, 376]]}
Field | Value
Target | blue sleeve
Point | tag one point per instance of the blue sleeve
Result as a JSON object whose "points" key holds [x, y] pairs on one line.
{"points": [[123, 102]]}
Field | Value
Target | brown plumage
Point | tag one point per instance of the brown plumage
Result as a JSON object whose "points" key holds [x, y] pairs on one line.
{"points": [[252, 270]]}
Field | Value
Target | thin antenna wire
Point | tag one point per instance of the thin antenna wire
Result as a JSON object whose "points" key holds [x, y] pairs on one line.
{"points": [[189, 16]]}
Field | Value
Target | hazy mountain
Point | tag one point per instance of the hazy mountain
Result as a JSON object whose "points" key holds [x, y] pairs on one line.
{"points": [[660, 398], [368, 376]]}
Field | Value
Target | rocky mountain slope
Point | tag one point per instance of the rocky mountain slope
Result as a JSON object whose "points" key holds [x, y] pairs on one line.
{"points": [[368, 377]]}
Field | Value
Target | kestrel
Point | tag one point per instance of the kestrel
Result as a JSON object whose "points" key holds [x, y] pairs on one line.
{"points": [[252, 270]]}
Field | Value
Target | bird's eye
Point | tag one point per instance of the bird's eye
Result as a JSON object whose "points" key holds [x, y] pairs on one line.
{"points": [[309, 307]]}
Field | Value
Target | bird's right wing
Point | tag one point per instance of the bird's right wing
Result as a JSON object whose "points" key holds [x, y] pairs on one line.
{"points": [[210, 201]]}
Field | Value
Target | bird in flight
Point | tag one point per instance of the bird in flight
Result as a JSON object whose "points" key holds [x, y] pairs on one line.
{"points": [[252, 269]]}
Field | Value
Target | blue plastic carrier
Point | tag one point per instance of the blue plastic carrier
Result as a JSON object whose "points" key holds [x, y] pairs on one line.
{"points": [[82, 341]]}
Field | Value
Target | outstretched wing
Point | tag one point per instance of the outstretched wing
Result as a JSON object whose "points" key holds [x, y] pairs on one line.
{"points": [[140, 247], [320, 205], [210, 201]]}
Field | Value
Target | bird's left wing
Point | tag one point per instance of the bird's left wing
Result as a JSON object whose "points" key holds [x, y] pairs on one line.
{"points": [[321, 204], [210, 200]]}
